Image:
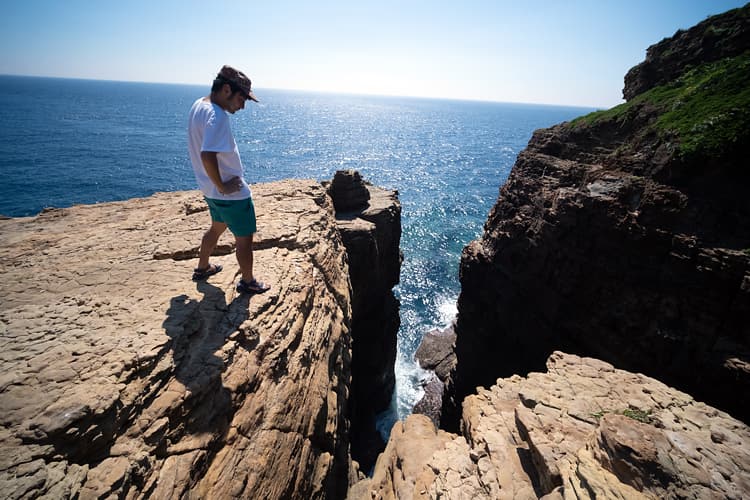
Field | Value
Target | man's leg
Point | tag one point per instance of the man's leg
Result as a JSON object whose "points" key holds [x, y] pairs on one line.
{"points": [[210, 239], [245, 256]]}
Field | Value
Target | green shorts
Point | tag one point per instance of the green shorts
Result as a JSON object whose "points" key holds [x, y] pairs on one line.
{"points": [[238, 215]]}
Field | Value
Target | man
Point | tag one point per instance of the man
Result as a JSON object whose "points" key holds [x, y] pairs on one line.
{"points": [[219, 173]]}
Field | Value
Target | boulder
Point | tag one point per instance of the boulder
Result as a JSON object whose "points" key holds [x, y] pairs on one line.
{"points": [[436, 352]]}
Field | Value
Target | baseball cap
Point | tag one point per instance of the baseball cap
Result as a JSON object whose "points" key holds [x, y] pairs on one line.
{"points": [[239, 79]]}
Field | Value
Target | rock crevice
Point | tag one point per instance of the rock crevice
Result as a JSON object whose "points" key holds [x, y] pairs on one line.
{"points": [[369, 220]]}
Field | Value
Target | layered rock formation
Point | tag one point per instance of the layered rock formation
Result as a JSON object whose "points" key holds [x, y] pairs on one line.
{"points": [[369, 221], [582, 429], [122, 378], [625, 235]]}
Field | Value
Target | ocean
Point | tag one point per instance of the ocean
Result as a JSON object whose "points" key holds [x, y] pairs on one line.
{"points": [[66, 142]]}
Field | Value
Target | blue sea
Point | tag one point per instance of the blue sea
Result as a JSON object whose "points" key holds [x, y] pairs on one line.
{"points": [[66, 142]]}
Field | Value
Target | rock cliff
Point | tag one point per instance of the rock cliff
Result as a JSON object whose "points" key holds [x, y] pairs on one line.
{"points": [[369, 220], [624, 235], [122, 378], [582, 429]]}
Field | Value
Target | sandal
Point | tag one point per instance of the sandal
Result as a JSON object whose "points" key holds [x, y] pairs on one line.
{"points": [[201, 274], [253, 286]]}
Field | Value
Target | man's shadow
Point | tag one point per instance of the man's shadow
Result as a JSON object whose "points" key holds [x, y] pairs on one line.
{"points": [[199, 331]]}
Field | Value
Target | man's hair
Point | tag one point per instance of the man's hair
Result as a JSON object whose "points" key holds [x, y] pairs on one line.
{"points": [[219, 82]]}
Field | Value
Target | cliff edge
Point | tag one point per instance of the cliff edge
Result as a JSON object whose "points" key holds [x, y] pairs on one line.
{"points": [[122, 378]]}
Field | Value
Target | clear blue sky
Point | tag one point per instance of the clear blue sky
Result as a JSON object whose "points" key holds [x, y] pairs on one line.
{"points": [[573, 52]]}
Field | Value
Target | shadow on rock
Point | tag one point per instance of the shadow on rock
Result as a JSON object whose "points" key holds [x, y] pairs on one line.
{"points": [[199, 330]]}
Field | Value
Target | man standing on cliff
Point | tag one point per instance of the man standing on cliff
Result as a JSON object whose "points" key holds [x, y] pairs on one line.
{"points": [[219, 173]]}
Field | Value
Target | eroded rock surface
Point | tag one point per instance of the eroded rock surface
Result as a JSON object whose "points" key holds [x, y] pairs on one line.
{"points": [[582, 429], [121, 377]]}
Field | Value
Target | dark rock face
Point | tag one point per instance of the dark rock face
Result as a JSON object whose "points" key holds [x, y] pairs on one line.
{"points": [[369, 221], [431, 403], [606, 241], [716, 38], [348, 191]]}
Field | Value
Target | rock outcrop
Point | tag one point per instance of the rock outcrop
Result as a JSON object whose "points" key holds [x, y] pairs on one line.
{"points": [[122, 378], [625, 235], [581, 430], [436, 353], [369, 221]]}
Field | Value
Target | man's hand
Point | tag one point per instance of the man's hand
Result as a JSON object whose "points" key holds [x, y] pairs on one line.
{"points": [[211, 164], [231, 186]]}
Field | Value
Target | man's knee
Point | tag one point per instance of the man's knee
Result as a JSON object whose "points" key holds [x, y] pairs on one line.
{"points": [[215, 230], [244, 243], [244, 240]]}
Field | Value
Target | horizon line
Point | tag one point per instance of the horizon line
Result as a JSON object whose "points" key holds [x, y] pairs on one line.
{"points": [[330, 92]]}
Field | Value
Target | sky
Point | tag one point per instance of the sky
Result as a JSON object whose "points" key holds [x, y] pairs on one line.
{"points": [[566, 52]]}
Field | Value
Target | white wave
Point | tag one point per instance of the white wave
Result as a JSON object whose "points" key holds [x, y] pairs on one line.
{"points": [[447, 310], [410, 379]]}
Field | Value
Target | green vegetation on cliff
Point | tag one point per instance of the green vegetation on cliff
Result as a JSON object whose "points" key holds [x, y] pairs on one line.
{"points": [[705, 112]]}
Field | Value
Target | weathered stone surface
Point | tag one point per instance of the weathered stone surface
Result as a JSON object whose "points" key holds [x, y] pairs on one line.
{"points": [[581, 430], [122, 378], [411, 444], [371, 231]]}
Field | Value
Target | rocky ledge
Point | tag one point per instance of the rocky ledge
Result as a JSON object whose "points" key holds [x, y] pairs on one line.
{"points": [[122, 378], [582, 429]]}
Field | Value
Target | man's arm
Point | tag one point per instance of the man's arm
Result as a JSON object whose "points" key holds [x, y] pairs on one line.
{"points": [[211, 164]]}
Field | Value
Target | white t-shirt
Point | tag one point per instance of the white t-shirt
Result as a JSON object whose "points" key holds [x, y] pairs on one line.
{"points": [[209, 130]]}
